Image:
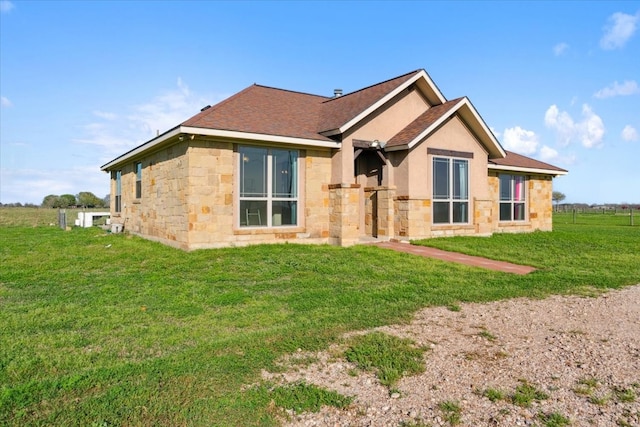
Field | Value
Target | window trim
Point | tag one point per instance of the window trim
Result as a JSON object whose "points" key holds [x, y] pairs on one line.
{"points": [[512, 201], [269, 198], [450, 199]]}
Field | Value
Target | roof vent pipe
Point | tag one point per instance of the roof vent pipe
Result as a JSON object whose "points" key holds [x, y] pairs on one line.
{"points": [[337, 93]]}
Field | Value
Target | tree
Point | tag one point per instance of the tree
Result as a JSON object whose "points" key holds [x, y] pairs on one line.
{"points": [[50, 201], [558, 197], [89, 200], [65, 201]]}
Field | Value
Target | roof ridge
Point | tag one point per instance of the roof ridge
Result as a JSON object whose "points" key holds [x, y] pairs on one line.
{"points": [[291, 91], [373, 85]]}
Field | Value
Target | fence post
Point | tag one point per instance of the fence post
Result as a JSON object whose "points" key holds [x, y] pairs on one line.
{"points": [[574, 215], [631, 217], [62, 219]]}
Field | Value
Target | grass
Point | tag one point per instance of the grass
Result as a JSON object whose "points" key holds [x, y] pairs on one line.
{"points": [[301, 397], [389, 356], [102, 329], [554, 419], [525, 394], [493, 394], [451, 412]]}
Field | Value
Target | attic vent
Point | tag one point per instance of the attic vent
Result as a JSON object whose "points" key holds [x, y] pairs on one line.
{"points": [[337, 93], [205, 108]]}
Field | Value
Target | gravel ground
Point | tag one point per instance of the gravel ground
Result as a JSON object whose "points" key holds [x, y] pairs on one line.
{"points": [[556, 344]]}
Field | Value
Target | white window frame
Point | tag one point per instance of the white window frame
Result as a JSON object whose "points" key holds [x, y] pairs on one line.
{"points": [[269, 198], [512, 201], [451, 200]]}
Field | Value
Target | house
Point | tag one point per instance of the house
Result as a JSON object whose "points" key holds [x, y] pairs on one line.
{"points": [[395, 160]]}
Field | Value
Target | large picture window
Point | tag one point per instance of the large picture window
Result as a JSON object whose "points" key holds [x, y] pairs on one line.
{"points": [[268, 187], [450, 191], [512, 198], [118, 179]]}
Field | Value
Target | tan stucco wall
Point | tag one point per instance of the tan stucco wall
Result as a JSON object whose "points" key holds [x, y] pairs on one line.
{"points": [[455, 136]]}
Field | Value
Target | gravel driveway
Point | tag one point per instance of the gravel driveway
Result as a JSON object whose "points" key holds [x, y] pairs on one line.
{"points": [[583, 352]]}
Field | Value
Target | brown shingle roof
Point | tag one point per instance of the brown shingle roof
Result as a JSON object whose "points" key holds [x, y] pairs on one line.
{"points": [[520, 161], [339, 111], [422, 122], [265, 110]]}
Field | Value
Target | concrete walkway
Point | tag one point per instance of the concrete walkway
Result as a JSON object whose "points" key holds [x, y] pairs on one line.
{"points": [[474, 261]]}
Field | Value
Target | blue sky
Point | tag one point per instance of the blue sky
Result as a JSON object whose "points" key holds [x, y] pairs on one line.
{"points": [[82, 82]]}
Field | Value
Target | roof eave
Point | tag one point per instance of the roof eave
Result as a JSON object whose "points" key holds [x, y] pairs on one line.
{"points": [[226, 134], [528, 170], [149, 145]]}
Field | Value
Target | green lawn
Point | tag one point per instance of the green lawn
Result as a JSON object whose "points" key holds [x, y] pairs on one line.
{"points": [[99, 329]]}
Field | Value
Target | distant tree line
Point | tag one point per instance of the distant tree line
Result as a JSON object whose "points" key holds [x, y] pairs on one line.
{"points": [[84, 199]]}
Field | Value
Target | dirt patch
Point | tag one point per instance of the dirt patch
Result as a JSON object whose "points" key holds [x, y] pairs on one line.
{"points": [[583, 352]]}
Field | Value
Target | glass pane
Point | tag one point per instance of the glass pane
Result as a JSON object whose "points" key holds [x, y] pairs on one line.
{"points": [[118, 183], [460, 212], [285, 173], [253, 213], [505, 211], [518, 211], [460, 180], [518, 188], [253, 172], [138, 171], [284, 213], [505, 187], [441, 179], [441, 212]]}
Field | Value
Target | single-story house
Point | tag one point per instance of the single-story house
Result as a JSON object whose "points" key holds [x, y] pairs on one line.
{"points": [[395, 160]]}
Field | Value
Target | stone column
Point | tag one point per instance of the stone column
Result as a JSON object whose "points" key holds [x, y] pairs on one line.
{"points": [[344, 214], [385, 213]]}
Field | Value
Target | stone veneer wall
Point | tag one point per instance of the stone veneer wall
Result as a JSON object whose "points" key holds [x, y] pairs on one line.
{"points": [[161, 213], [210, 203], [539, 205], [412, 218], [344, 219]]}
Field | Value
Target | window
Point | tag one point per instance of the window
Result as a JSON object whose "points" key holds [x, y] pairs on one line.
{"points": [[450, 190], [512, 198], [138, 168], [268, 187], [118, 178]]}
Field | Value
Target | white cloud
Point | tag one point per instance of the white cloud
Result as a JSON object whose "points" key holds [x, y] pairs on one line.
{"points": [[5, 102], [589, 131], [560, 48], [6, 6], [619, 29], [32, 185], [520, 140], [136, 124], [629, 87], [629, 133], [105, 115], [548, 154]]}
